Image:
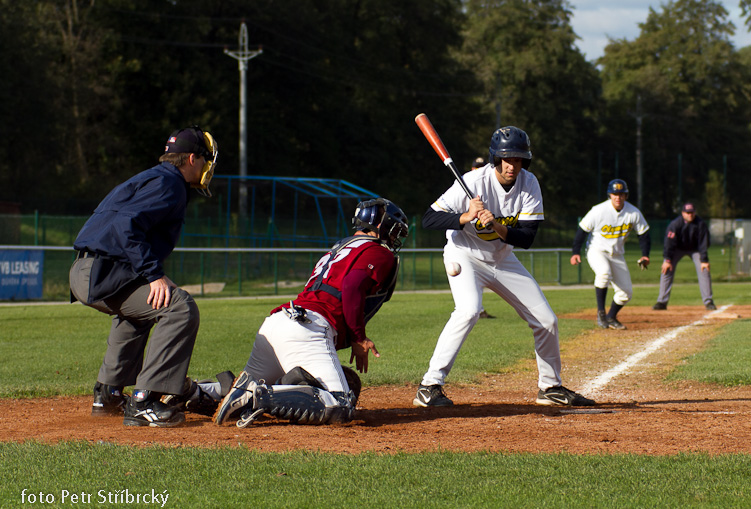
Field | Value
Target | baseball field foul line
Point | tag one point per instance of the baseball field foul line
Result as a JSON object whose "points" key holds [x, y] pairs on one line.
{"points": [[602, 380]]}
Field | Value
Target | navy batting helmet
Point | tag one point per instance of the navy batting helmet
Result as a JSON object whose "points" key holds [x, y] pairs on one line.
{"points": [[383, 217], [509, 142], [617, 186]]}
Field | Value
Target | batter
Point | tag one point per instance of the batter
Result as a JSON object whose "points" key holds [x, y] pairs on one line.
{"points": [[508, 200], [610, 222]]}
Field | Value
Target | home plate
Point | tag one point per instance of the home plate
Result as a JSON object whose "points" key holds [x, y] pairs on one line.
{"points": [[588, 411]]}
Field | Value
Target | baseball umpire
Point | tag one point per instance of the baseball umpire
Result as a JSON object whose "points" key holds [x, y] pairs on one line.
{"points": [[119, 271], [295, 347], [687, 235], [609, 223], [481, 236]]}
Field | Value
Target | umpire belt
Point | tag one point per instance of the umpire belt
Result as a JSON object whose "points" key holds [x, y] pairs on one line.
{"points": [[88, 254]]}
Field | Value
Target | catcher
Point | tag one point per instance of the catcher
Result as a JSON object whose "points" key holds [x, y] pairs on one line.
{"points": [[295, 347]]}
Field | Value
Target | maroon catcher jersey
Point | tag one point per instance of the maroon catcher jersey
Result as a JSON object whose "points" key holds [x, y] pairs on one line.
{"points": [[322, 292]]}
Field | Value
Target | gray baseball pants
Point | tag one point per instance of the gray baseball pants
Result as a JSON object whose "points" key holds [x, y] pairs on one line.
{"points": [[158, 365], [705, 279]]}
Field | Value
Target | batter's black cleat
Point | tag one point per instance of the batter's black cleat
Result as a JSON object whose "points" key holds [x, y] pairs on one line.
{"points": [[560, 396], [602, 320], [485, 314], [145, 409], [660, 306], [108, 400], [710, 306], [431, 395], [613, 323]]}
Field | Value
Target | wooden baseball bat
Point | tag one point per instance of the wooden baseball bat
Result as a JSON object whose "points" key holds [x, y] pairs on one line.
{"points": [[423, 122]]}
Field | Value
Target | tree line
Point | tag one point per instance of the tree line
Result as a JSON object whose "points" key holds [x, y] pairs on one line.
{"points": [[92, 88]]}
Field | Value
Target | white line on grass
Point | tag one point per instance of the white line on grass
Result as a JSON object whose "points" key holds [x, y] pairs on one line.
{"points": [[601, 381]]}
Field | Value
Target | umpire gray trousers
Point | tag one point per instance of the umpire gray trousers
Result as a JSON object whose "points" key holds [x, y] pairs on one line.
{"points": [[705, 279], [160, 364]]}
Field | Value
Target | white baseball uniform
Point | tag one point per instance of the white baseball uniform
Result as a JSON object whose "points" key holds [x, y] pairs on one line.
{"points": [[488, 262], [605, 250]]}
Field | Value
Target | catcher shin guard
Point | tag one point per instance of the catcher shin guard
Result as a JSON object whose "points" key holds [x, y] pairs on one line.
{"points": [[354, 383], [300, 404]]}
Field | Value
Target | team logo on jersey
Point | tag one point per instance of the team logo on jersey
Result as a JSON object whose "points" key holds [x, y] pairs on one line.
{"points": [[488, 235], [614, 232]]}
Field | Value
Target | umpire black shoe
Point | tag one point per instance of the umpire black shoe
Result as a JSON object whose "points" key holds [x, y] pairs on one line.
{"points": [[145, 409], [431, 395], [108, 400], [561, 396], [660, 306]]}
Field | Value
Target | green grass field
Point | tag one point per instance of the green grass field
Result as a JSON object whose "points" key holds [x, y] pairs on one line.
{"points": [[56, 350]]}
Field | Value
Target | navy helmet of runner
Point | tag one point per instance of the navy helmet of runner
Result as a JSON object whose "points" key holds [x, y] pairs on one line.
{"points": [[617, 186]]}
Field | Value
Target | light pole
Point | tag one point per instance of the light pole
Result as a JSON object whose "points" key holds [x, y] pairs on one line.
{"points": [[242, 55]]}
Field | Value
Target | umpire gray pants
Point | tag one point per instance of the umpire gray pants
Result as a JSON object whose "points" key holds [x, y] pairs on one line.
{"points": [[162, 364], [705, 279]]}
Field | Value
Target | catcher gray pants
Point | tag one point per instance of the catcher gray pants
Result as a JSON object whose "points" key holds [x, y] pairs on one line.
{"points": [[162, 364], [705, 279]]}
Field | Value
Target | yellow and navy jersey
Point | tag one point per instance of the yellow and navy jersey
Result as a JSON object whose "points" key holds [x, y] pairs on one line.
{"points": [[523, 202], [610, 227]]}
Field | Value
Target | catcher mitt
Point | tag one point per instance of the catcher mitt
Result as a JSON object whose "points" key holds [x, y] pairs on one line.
{"points": [[353, 380]]}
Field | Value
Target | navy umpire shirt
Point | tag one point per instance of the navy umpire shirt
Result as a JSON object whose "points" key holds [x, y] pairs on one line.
{"points": [[139, 221]]}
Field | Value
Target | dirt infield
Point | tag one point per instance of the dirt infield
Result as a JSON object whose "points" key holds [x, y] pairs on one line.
{"points": [[638, 412]]}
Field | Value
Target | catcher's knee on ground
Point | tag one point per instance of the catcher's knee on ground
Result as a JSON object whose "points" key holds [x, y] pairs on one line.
{"points": [[300, 376]]}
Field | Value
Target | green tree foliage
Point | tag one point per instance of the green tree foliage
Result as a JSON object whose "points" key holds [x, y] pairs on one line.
{"points": [[716, 203], [334, 93], [524, 54], [691, 81], [92, 88]]}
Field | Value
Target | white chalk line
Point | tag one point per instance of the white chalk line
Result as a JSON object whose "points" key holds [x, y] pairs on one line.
{"points": [[602, 380]]}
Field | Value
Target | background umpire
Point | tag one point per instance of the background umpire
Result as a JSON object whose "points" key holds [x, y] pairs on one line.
{"points": [[687, 235], [119, 271]]}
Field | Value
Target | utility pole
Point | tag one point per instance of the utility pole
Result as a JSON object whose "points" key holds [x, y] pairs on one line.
{"points": [[242, 55], [639, 166]]}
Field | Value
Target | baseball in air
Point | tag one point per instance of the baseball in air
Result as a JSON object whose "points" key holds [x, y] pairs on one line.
{"points": [[453, 269]]}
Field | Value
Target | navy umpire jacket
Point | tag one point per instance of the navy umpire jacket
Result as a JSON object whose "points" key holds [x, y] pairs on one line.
{"points": [[683, 236], [134, 229]]}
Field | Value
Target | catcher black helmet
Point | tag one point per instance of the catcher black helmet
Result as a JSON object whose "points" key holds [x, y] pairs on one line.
{"points": [[383, 217], [617, 186], [509, 142]]}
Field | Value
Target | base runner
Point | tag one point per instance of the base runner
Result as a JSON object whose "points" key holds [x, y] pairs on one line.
{"points": [[609, 223]]}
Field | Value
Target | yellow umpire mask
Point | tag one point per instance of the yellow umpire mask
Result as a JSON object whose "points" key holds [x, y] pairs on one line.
{"points": [[207, 172]]}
